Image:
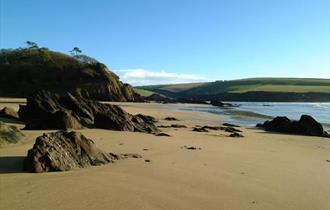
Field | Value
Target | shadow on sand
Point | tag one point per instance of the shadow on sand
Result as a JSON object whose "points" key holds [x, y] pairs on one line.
{"points": [[11, 164]]}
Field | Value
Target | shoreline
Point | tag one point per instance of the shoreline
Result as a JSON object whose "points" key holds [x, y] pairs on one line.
{"points": [[259, 171]]}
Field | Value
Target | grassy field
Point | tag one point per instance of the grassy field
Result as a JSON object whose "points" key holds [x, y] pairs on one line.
{"points": [[143, 92], [297, 85], [279, 88]]}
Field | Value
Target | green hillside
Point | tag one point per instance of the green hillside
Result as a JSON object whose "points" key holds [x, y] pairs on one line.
{"points": [[143, 92], [293, 85]]}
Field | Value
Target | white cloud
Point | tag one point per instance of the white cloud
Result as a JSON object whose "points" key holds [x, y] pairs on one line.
{"points": [[138, 77]]}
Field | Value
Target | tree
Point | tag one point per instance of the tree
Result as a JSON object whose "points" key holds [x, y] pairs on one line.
{"points": [[75, 51], [32, 45]]}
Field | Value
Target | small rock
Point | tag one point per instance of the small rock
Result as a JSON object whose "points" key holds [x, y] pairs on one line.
{"points": [[191, 148], [164, 126], [131, 155], [230, 125], [148, 161], [213, 127], [236, 135], [200, 129], [162, 134], [178, 126], [170, 119]]}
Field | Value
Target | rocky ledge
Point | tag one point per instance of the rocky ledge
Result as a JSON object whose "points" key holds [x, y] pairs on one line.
{"points": [[47, 110]]}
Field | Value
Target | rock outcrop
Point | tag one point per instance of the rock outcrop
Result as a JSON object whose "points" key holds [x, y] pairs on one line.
{"points": [[28, 70], [9, 134], [170, 119], [10, 113], [306, 125], [63, 151], [46, 110]]}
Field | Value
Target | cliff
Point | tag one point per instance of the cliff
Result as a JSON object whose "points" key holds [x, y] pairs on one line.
{"points": [[25, 70]]}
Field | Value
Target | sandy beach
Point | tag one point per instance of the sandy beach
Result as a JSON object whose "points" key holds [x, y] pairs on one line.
{"points": [[259, 171]]}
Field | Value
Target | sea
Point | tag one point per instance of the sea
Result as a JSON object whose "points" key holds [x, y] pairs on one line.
{"points": [[250, 113]]}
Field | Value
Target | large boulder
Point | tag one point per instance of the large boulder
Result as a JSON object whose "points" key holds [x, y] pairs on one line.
{"points": [[306, 125], [9, 134], [63, 151], [46, 110], [27, 70], [8, 112]]}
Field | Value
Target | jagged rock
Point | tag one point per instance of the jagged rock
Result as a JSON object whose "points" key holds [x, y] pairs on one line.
{"points": [[9, 134], [306, 125], [63, 151], [8, 112], [46, 110], [147, 118]]}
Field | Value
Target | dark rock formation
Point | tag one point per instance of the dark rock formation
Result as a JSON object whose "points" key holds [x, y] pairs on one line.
{"points": [[230, 125], [200, 129], [9, 113], [236, 135], [191, 148], [129, 155], [9, 134], [231, 129], [170, 119], [215, 128], [147, 118], [63, 151], [178, 126], [28, 70], [306, 125], [172, 126], [46, 110]]}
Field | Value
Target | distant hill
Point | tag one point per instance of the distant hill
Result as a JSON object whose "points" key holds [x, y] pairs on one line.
{"points": [[26, 70], [253, 89]]}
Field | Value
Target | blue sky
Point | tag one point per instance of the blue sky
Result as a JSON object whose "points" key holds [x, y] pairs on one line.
{"points": [[171, 41]]}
